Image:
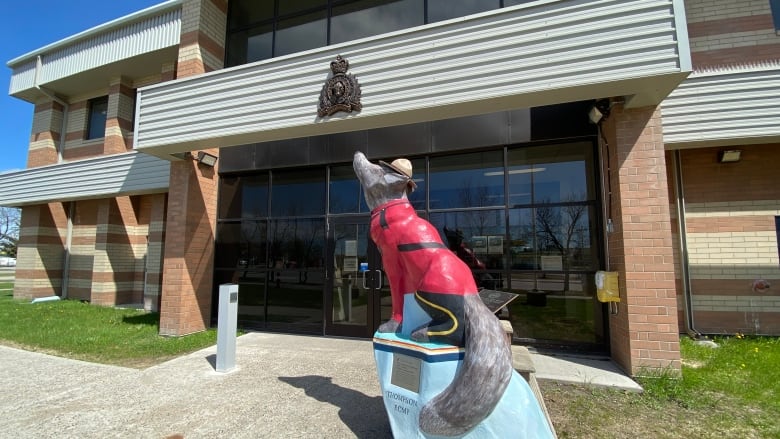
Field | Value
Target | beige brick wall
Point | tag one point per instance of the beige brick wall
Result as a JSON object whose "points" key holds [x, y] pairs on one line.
{"points": [[725, 32]]}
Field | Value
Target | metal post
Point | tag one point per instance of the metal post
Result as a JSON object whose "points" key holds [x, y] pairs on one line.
{"points": [[226, 327]]}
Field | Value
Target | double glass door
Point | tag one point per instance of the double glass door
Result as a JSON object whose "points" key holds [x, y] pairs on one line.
{"points": [[359, 299]]}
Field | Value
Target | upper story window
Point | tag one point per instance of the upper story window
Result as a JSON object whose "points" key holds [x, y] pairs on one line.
{"points": [[260, 30], [775, 5], [96, 122]]}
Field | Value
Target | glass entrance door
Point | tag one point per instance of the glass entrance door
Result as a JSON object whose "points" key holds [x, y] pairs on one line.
{"points": [[358, 298]]}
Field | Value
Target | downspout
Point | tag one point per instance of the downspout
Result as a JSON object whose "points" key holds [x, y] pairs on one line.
{"points": [[60, 148], [68, 241], [690, 328]]}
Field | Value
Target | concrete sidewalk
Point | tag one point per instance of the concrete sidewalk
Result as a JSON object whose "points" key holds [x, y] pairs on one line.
{"points": [[283, 386]]}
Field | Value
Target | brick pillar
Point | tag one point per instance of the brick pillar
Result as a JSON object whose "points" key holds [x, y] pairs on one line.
{"points": [[46, 132], [41, 251], [154, 253], [119, 248], [644, 333], [119, 117], [192, 196], [82, 250]]}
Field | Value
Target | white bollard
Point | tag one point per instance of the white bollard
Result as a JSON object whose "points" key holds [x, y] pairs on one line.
{"points": [[227, 322]]}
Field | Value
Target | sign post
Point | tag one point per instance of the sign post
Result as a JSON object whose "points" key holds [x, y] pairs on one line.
{"points": [[227, 323]]}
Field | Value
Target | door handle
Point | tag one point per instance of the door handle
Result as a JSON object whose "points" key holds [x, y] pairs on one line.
{"points": [[379, 284], [364, 280]]}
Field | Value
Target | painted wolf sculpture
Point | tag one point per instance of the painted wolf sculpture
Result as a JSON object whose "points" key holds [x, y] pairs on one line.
{"points": [[417, 261]]}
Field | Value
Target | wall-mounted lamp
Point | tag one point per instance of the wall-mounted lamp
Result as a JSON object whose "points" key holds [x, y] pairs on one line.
{"points": [[729, 156], [599, 111], [206, 159]]}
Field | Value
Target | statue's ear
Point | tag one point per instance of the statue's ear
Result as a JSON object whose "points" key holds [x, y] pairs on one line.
{"points": [[396, 181]]}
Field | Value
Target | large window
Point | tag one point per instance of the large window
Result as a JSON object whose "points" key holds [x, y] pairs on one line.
{"points": [[524, 219], [96, 122], [260, 30]]}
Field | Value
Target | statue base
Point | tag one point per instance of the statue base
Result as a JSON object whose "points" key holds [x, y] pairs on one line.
{"points": [[411, 374]]}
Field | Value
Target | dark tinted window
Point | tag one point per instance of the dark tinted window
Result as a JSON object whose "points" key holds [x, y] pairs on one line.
{"points": [[244, 197], [439, 10], [775, 5], [296, 193], [96, 125], [373, 17], [292, 7], [245, 12], [346, 195], [550, 174], [301, 33], [467, 180], [241, 245]]}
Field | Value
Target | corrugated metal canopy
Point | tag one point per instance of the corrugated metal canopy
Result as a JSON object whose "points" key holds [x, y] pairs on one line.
{"points": [[134, 46], [734, 105], [130, 173], [538, 53]]}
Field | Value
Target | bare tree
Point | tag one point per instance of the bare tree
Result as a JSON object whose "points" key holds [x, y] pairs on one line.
{"points": [[9, 229], [559, 228]]}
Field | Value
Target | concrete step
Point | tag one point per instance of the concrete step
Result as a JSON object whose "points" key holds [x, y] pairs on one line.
{"points": [[524, 365]]}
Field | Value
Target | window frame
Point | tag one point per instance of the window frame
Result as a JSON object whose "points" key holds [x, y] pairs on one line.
{"points": [[91, 118]]}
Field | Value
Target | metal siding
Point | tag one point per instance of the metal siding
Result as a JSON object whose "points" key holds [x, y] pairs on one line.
{"points": [[130, 173], [506, 53], [128, 41], [733, 103]]}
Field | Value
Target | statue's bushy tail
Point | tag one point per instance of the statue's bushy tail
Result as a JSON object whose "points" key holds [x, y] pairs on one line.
{"points": [[481, 379]]}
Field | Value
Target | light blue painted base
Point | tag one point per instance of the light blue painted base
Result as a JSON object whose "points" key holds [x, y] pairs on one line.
{"points": [[517, 415]]}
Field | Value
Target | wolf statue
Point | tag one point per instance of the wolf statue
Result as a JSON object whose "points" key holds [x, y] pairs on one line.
{"points": [[417, 261]]}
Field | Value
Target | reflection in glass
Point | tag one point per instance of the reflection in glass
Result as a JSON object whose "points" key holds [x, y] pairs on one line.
{"points": [[477, 237], [297, 277], [297, 193], [417, 198], [241, 245], [439, 10], [301, 33], [550, 315], [345, 193], [350, 299], [467, 180], [373, 17], [550, 174]]}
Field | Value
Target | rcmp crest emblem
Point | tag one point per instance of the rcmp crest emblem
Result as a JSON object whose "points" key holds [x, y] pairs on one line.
{"points": [[341, 92]]}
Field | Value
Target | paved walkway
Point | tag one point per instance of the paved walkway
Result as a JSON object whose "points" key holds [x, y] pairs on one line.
{"points": [[287, 386]]}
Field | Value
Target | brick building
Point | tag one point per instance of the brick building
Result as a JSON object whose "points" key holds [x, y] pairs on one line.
{"points": [[494, 104]]}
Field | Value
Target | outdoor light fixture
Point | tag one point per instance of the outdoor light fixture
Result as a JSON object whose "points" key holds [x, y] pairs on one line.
{"points": [[206, 159], [599, 111], [729, 156]]}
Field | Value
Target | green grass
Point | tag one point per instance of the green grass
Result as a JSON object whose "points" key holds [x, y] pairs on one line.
{"points": [[6, 285], [92, 333], [732, 391]]}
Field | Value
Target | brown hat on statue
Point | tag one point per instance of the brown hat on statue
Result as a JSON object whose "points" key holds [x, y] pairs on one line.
{"points": [[403, 167]]}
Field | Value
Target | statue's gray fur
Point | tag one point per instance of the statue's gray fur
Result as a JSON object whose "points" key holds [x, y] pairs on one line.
{"points": [[487, 365]]}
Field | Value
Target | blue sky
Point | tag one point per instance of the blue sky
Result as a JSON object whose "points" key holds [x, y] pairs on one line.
{"points": [[30, 25]]}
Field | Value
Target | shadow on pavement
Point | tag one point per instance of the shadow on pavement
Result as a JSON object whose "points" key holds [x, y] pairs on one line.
{"points": [[364, 415]]}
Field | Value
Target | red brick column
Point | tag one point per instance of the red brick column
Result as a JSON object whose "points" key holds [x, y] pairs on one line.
{"points": [[119, 118], [644, 333], [192, 196]]}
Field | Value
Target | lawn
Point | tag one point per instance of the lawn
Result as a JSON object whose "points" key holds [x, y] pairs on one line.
{"points": [[732, 391], [82, 331]]}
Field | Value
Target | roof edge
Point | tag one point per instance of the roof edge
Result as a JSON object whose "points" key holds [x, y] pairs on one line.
{"points": [[135, 16]]}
